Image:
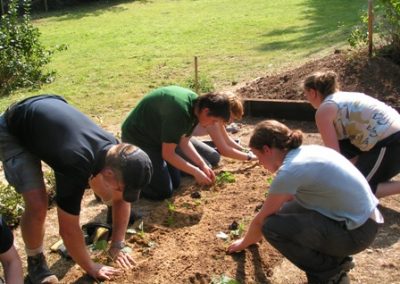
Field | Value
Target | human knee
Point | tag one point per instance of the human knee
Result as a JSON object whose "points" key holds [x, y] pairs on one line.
{"points": [[36, 203], [214, 158]]}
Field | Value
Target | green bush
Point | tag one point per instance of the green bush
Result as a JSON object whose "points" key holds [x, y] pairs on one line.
{"points": [[386, 26], [11, 205], [22, 56]]}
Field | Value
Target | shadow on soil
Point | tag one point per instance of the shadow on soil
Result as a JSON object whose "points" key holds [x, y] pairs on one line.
{"points": [[389, 233], [252, 254]]}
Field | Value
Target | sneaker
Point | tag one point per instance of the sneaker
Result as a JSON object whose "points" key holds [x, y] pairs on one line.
{"points": [[132, 218], [39, 272]]}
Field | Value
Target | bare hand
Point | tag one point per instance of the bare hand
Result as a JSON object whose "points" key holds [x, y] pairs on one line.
{"points": [[104, 272], [236, 246], [209, 173], [121, 258], [202, 178]]}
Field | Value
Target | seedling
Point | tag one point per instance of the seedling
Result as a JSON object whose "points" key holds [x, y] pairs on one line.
{"points": [[171, 213], [223, 279], [225, 177], [237, 230], [140, 231], [270, 179]]}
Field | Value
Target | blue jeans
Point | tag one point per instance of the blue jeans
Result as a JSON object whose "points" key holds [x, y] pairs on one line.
{"points": [[316, 244], [165, 178]]}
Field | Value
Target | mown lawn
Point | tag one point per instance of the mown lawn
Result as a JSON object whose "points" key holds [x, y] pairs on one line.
{"points": [[119, 50]]}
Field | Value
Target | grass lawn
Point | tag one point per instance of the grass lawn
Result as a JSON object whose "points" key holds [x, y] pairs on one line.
{"points": [[119, 50]]}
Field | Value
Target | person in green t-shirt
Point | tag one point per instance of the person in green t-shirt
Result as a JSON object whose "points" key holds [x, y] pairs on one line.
{"points": [[163, 120]]}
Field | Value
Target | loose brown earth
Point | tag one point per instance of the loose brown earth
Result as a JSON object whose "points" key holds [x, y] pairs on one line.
{"points": [[180, 245]]}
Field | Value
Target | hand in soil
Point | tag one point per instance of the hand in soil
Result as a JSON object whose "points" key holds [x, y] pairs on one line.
{"points": [[236, 246], [121, 258], [103, 272]]}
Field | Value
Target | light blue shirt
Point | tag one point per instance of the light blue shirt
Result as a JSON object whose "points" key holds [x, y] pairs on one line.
{"points": [[323, 180]]}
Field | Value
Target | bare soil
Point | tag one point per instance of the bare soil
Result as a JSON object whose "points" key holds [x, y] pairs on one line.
{"points": [[180, 244]]}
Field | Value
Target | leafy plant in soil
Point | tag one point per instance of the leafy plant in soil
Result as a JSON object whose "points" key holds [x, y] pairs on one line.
{"points": [[11, 205], [225, 177], [223, 279]]}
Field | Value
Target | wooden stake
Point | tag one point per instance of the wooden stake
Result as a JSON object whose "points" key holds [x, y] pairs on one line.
{"points": [[196, 76], [2, 7], [370, 26]]}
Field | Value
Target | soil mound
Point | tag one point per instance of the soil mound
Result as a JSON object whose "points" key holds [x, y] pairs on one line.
{"points": [[377, 76]]}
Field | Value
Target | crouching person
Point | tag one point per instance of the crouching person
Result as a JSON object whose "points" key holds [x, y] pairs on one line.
{"points": [[46, 128], [320, 209]]}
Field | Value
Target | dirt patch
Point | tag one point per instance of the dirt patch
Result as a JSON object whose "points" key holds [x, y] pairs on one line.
{"points": [[179, 243], [378, 77]]}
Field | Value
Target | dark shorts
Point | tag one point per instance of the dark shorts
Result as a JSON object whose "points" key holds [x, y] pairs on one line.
{"points": [[22, 169], [379, 164]]}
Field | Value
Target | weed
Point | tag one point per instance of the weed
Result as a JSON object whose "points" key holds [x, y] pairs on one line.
{"points": [[140, 233], [238, 231], [223, 279], [225, 177], [171, 206]]}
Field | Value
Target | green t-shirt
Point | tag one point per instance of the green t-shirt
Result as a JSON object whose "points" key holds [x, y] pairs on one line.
{"points": [[162, 116]]}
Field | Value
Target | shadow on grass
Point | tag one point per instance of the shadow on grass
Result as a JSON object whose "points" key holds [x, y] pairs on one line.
{"points": [[84, 9], [330, 22]]}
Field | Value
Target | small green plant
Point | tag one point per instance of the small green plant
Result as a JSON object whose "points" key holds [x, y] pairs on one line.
{"points": [[225, 177], [205, 84], [171, 213], [223, 279], [11, 205], [140, 233], [238, 231], [100, 245]]}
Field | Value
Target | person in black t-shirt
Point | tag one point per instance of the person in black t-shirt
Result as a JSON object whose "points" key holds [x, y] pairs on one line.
{"points": [[46, 128], [9, 257]]}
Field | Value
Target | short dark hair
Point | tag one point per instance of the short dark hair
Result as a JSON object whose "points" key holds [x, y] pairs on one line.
{"points": [[217, 103]]}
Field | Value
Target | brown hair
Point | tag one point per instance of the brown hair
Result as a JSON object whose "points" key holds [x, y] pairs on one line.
{"points": [[326, 83], [217, 103], [275, 135], [236, 106]]}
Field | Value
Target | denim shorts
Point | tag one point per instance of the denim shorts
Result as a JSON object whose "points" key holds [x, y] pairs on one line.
{"points": [[22, 169]]}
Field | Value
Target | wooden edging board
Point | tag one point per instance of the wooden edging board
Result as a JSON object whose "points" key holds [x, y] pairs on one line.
{"points": [[283, 109]]}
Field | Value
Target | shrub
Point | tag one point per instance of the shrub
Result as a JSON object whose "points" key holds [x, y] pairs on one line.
{"points": [[11, 205], [22, 56], [386, 25]]}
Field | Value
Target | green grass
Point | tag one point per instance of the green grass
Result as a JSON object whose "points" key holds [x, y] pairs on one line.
{"points": [[118, 51]]}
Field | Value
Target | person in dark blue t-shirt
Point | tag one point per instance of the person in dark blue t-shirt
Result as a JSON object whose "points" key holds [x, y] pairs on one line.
{"points": [[46, 128]]}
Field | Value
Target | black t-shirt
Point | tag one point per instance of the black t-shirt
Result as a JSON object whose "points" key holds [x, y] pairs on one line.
{"points": [[63, 137], [6, 237]]}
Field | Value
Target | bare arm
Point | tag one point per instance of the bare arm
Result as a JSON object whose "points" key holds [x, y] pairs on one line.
{"points": [[254, 234], [224, 143], [72, 236], [324, 118], [121, 212], [203, 174], [12, 266]]}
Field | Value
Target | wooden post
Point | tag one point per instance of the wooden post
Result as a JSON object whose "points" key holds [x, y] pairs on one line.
{"points": [[370, 26], [46, 7], [196, 76], [2, 7]]}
